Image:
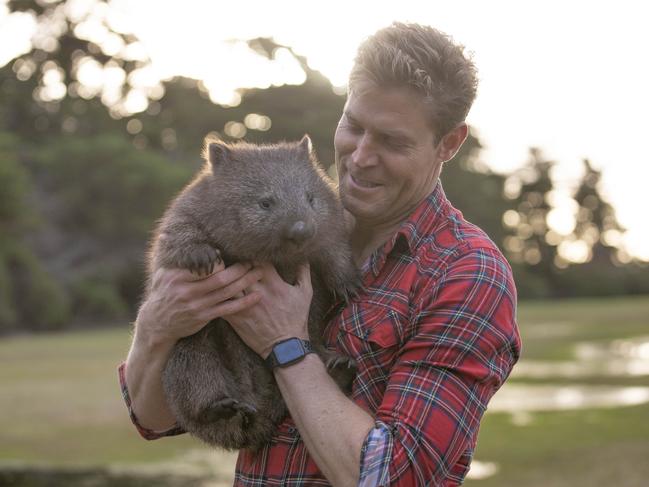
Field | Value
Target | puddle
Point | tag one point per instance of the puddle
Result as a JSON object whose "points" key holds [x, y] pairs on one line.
{"points": [[619, 358], [517, 398]]}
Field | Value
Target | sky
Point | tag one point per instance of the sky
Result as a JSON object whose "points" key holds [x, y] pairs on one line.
{"points": [[569, 77]]}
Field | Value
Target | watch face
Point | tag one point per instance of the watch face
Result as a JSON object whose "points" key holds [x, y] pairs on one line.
{"points": [[288, 350]]}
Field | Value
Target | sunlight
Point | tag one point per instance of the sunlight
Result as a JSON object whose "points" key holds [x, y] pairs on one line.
{"points": [[576, 251], [482, 470], [522, 100], [255, 121]]}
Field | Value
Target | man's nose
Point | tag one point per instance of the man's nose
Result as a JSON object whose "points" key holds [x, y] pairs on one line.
{"points": [[365, 152]]}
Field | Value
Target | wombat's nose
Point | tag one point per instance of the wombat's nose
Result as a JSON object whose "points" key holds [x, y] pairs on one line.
{"points": [[300, 232]]}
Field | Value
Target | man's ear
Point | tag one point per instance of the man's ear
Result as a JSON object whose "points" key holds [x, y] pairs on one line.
{"points": [[452, 141]]}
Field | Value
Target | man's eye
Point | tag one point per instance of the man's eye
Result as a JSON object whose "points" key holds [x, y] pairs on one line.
{"points": [[395, 144]]}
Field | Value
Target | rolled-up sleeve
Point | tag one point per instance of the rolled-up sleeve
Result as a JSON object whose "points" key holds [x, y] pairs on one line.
{"points": [[146, 433], [462, 345]]}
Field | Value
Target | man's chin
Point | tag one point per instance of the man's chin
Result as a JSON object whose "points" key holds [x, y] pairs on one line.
{"points": [[360, 210]]}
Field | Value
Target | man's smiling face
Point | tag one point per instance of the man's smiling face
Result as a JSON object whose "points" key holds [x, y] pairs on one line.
{"points": [[386, 156]]}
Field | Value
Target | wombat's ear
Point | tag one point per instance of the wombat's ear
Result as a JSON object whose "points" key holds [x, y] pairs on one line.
{"points": [[216, 152], [306, 146]]}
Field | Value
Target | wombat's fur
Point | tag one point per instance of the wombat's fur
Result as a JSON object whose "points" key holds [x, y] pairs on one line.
{"points": [[250, 203]]}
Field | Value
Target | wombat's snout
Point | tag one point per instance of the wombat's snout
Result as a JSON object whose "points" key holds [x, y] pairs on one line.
{"points": [[299, 233]]}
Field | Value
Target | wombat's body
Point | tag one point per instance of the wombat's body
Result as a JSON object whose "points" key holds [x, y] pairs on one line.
{"points": [[250, 203]]}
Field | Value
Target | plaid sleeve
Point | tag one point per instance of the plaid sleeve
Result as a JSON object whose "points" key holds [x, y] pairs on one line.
{"points": [[375, 457], [146, 433], [461, 347]]}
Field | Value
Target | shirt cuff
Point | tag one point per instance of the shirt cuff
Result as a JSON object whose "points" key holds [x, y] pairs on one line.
{"points": [[146, 433], [375, 457]]}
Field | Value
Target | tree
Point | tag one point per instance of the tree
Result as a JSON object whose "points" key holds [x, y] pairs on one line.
{"points": [[596, 222], [476, 190], [532, 245], [29, 296], [74, 50]]}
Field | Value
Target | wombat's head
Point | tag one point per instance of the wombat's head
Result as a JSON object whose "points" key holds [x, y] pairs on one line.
{"points": [[275, 199]]}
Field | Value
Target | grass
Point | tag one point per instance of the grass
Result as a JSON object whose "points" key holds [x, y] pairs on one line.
{"points": [[62, 406], [60, 394], [572, 448]]}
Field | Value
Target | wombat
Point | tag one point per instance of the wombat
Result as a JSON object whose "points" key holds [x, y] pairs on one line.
{"points": [[267, 203]]}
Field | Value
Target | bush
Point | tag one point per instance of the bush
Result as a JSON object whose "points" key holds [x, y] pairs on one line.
{"points": [[31, 298]]}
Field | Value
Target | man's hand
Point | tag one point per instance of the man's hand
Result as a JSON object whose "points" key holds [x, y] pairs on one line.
{"points": [[281, 312], [180, 303]]}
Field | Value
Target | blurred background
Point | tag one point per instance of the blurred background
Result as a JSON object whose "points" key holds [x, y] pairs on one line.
{"points": [[103, 110]]}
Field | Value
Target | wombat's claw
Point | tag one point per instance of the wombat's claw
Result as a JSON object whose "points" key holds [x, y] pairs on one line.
{"points": [[349, 291], [226, 408], [337, 361], [201, 260]]}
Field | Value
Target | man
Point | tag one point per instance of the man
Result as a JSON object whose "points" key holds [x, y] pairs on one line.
{"points": [[433, 330]]}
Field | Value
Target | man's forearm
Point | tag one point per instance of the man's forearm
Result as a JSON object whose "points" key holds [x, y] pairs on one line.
{"points": [[331, 425], [144, 365]]}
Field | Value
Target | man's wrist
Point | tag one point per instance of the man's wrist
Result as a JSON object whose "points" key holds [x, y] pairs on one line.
{"points": [[295, 371], [288, 351], [149, 342]]}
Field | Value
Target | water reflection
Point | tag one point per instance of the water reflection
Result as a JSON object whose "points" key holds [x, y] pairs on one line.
{"points": [[519, 397], [619, 358], [482, 470]]}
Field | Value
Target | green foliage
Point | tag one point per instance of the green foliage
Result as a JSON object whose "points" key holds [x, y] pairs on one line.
{"points": [[104, 187], [102, 197], [94, 298], [15, 214], [34, 300], [29, 297]]}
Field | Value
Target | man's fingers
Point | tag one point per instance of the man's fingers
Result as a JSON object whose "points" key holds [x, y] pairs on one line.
{"points": [[234, 289], [233, 306], [222, 279]]}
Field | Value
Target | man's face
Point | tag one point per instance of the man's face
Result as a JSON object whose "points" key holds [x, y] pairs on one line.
{"points": [[386, 157]]}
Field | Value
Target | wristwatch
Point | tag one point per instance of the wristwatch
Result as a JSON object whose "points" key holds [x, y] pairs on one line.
{"points": [[288, 352]]}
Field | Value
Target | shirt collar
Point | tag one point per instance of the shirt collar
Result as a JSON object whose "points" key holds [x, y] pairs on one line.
{"points": [[421, 222]]}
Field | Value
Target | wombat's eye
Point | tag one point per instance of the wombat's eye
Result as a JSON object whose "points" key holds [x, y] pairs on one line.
{"points": [[309, 198], [266, 203]]}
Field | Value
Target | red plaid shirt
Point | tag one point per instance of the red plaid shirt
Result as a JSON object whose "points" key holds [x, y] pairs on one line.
{"points": [[434, 336]]}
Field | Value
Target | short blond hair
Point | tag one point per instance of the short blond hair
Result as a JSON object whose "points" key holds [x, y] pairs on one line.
{"points": [[426, 60]]}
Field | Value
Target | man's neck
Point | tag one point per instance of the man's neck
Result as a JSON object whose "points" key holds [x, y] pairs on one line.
{"points": [[366, 238]]}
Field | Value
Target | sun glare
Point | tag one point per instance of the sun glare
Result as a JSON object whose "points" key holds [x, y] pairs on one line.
{"points": [[560, 92]]}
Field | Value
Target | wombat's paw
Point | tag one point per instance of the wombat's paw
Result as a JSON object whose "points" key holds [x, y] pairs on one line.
{"points": [[336, 361], [343, 371], [200, 259], [348, 290], [226, 408]]}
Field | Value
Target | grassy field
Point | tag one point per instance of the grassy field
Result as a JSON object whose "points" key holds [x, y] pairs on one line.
{"points": [[61, 404]]}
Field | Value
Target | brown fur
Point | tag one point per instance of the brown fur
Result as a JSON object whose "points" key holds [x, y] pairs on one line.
{"points": [[262, 203]]}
